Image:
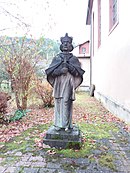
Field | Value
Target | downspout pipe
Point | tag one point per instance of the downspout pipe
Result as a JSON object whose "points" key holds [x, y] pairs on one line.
{"points": [[90, 54], [92, 87], [89, 22]]}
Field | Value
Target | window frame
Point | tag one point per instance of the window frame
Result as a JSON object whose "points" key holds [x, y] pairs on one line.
{"points": [[83, 48], [112, 13], [99, 23]]}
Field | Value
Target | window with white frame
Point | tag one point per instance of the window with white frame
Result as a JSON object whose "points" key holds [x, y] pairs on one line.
{"points": [[113, 14], [83, 50], [99, 23]]}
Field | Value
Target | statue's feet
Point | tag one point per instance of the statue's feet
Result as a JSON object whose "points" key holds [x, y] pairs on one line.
{"points": [[57, 128], [67, 130]]}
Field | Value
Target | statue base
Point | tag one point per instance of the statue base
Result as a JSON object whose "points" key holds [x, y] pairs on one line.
{"points": [[62, 139]]}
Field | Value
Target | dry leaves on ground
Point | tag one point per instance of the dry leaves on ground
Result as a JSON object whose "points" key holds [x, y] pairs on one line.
{"points": [[33, 118], [88, 110]]}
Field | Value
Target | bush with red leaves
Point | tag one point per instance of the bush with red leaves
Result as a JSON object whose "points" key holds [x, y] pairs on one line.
{"points": [[44, 91], [4, 97]]}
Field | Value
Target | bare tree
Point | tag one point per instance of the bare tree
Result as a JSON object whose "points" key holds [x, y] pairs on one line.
{"points": [[13, 20], [20, 58]]}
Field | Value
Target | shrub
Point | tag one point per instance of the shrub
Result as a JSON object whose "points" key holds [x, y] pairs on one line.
{"points": [[4, 97], [44, 91]]}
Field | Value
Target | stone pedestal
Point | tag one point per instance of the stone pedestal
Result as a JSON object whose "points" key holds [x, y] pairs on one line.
{"points": [[62, 139]]}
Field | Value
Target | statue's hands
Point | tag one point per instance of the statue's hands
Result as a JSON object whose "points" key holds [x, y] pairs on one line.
{"points": [[56, 72], [64, 70], [72, 70]]}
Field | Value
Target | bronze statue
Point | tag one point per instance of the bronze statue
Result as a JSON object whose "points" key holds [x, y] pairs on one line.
{"points": [[65, 75]]}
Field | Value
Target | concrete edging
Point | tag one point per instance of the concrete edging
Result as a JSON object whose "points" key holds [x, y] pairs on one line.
{"points": [[119, 110]]}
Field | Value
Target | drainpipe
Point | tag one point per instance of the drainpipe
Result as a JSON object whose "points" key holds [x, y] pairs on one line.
{"points": [[92, 87], [89, 22], [90, 54]]}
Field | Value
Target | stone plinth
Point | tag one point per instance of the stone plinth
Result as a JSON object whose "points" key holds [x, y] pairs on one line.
{"points": [[62, 139]]}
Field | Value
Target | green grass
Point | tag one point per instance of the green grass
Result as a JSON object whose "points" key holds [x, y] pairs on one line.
{"points": [[81, 99], [25, 142], [107, 160], [91, 132], [97, 130]]}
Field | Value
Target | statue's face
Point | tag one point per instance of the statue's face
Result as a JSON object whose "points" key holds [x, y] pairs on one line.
{"points": [[66, 45]]}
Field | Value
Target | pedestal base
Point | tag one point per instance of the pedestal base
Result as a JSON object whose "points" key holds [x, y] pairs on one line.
{"points": [[62, 139]]}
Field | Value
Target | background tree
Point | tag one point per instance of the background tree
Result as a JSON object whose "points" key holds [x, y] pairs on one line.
{"points": [[22, 57]]}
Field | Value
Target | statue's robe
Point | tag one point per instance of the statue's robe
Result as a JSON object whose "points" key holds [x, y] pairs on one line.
{"points": [[64, 87]]}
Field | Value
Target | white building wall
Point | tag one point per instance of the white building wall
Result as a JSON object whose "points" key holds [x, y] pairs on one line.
{"points": [[76, 51], [111, 62], [85, 65]]}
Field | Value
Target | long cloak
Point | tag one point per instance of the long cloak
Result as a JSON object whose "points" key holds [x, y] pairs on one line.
{"points": [[72, 61], [64, 88]]}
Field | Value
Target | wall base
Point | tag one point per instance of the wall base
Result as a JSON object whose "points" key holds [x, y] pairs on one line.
{"points": [[115, 108], [84, 88]]}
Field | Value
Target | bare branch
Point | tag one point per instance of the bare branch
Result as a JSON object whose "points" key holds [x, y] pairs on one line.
{"points": [[15, 17], [4, 29]]}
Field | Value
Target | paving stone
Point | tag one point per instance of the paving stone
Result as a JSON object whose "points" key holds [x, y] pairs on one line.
{"points": [[29, 149], [38, 164], [97, 152], [2, 169], [25, 158], [18, 154], [118, 162], [128, 154], [127, 167], [41, 153], [10, 170], [55, 160], [66, 160], [53, 165], [124, 148], [10, 161], [36, 158], [122, 168], [1, 160], [81, 161], [96, 168], [47, 170], [20, 163], [31, 170], [81, 171], [27, 155], [13, 170]]}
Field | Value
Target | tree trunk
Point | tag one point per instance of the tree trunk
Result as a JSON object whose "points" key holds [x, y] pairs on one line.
{"points": [[17, 100], [24, 102]]}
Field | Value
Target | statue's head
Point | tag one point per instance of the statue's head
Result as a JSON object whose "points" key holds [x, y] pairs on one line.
{"points": [[66, 43]]}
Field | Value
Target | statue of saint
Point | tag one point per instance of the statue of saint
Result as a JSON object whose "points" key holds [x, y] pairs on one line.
{"points": [[65, 75]]}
